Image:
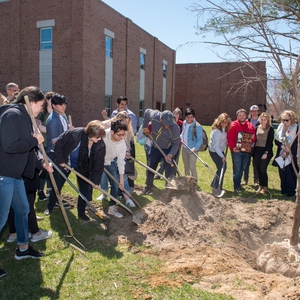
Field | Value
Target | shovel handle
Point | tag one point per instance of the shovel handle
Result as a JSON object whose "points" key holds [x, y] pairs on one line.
{"points": [[151, 170], [58, 196], [160, 150], [98, 188], [124, 190]]}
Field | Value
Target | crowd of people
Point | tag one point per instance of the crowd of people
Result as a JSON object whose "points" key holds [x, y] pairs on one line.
{"points": [[101, 152]]}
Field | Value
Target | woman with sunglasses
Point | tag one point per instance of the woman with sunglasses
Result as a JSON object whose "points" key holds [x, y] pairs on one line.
{"points": [[286, 141]]}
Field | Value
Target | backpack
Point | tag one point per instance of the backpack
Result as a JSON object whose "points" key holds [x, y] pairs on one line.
{"points": [[204, 145]]}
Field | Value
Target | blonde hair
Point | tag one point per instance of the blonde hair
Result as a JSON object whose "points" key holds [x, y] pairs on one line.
{"points": [[217, 124], [289, 113], [265, 115]]}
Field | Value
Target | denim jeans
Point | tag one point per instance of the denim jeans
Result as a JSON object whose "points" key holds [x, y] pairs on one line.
{"points": [[105, 177], [13, 193], [219, 164], [154, 158], [113, 170], [239, 162]]}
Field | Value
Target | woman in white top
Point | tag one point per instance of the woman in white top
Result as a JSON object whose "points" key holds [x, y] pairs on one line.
{"points": [[217, 145], [124, 117]]}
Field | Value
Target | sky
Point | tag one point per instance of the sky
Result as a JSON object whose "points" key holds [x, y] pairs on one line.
{"points": [[172, 23]]}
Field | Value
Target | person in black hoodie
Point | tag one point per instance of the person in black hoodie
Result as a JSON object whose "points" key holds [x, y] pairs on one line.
{"points": [[17, 159]]}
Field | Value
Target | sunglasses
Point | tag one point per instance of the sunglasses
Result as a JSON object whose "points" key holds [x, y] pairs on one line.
{"points": [[286, 120]]}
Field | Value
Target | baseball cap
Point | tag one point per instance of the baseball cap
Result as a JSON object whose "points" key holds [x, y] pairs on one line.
{"points": [[254, 107], [167, 118]]}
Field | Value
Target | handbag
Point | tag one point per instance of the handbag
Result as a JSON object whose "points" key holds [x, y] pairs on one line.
{"points": [[129, 167]]}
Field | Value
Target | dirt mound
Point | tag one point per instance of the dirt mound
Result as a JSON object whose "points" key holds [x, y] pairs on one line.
{"points": [[213, 243]]}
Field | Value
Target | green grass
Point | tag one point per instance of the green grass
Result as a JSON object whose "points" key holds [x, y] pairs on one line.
{"points": [[107, 271]]}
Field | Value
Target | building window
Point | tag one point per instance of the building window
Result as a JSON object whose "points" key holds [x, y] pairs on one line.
{"points": [[107, 104], [108, 46], [141, 109], [142, 61], [164, 70], [46, 38]]}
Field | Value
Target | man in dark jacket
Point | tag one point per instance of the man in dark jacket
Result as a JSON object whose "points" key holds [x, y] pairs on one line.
{"points": [[166, 133]]}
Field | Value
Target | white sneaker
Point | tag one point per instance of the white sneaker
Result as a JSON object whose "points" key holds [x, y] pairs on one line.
{"points": [[112, 210], [46, 212], [101, 197], [130, 203], [43, 236]]}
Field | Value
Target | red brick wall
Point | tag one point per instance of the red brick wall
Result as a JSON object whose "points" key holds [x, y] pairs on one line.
{"points": [[213, 88], [79, 54]]}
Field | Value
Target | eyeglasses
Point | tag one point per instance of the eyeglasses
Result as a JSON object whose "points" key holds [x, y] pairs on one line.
{"points": [[120, 135], [286, 120], [14, 90]]}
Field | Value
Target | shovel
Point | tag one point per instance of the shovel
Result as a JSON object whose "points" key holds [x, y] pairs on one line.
{"points": [[218, 192], [164, 154], [125, 191], [184, 183], [153, 171], [58, 196], [135, 219], [89, 204]]}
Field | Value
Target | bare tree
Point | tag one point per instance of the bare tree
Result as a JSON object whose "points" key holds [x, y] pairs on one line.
{"points": [[258, 30]]}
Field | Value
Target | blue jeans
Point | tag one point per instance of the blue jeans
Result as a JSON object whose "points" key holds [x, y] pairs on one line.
{"points": [[13, 193], [239, 162], [113, 170], [219, 164], [154, 158]]}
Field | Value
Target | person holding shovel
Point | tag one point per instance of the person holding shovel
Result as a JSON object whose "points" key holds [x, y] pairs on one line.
{"points": [[217, 145], [165, 135], [17, 143], [86, 151], [114, 161]]}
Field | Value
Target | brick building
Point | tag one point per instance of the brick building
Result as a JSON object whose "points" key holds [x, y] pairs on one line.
{"points": [[213, 88], [86, 51]]}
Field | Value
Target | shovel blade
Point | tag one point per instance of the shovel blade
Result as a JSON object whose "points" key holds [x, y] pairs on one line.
{"points": [[218, 193]]}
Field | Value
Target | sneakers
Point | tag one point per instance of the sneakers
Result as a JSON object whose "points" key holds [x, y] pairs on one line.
{"points": [[256, 182], [130, 203], [42, 196], [84, 217], [11, 238], [43, 236], [239, 190], [112, 210], [47, 212], [65, 204], [245, 182], [101, 197], [2, 273], [29, 253], [147, 191]]}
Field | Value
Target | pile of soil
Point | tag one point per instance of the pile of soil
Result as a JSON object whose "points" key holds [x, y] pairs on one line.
{"points": [[213, 243]]}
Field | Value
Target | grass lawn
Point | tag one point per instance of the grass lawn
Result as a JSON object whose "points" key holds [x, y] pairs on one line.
{"points": [[106, 271]]}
